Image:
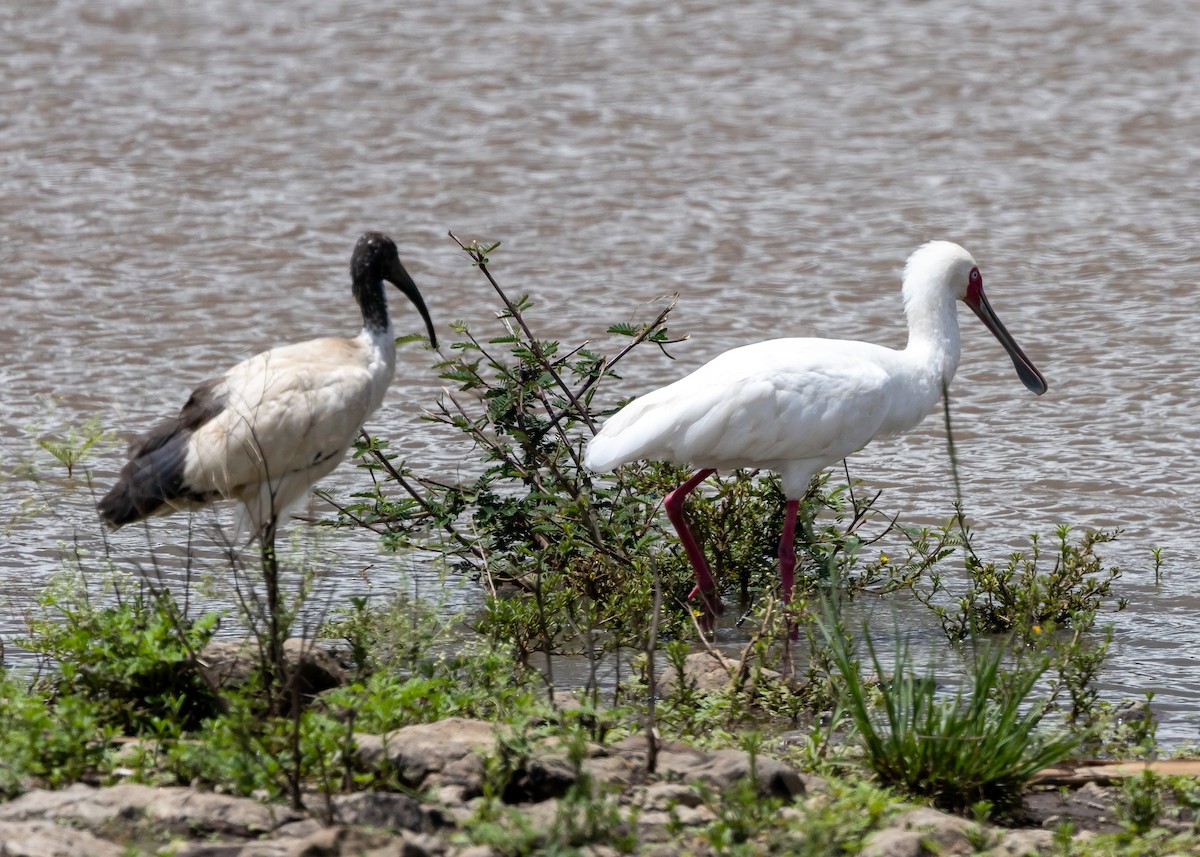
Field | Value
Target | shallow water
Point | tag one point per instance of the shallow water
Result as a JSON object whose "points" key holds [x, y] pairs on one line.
{"points": [[183, 186]]}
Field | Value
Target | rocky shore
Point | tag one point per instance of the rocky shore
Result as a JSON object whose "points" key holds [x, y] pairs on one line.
{"points": [[441, 769]]}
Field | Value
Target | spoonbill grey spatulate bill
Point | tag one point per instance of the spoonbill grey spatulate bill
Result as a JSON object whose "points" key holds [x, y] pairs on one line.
{"points": [[274, 424], [796, 406]]}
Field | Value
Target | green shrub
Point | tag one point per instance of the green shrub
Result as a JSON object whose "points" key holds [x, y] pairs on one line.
{"points": [[1023, 596], [958, 750], [48, 743], [131, 652], [243, 752]]}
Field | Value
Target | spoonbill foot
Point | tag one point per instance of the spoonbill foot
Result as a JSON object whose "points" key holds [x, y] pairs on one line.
{"points": [[711, 606]]}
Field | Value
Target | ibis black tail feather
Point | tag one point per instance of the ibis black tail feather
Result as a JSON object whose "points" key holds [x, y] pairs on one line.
{"points": [[154, 475], [147, 483]]}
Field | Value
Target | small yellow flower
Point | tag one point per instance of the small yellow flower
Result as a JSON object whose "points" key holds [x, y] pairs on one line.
{"points": [[1037, 629], [883, 560]]}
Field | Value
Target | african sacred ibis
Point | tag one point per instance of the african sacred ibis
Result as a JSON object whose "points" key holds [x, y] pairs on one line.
{"points": [[274, 424]]}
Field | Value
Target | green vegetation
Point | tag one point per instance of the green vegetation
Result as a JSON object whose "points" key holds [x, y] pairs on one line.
{"points": [[70, 444], [130, 655], [978, 745], [574, 564]]}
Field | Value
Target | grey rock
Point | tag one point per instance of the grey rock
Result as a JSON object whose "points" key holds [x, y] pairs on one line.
{"points": [[341, 841], [566, 700], [541, 778], [180, 809], [42, 803], [615, 769], [652, 826], [331, 842], [815, 785], [204, 812], [450, 796], [599, 851], [893, 842], [47, 839], [924, 818], [793, 738], [664, 796], [1094, 795], [386, 810], [299, 829], [430, 755], [939, 833], [232, 663], [655, 825], [774, 777], [1022, 843], [719, 769], [269, 848], [542, 816], [1090, 807], [476, 851], [708, 672], [673, 849], [421, 844]]}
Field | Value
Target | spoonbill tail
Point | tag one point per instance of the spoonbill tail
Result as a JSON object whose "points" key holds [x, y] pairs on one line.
{"points": [[274, 424], [797, 405]]}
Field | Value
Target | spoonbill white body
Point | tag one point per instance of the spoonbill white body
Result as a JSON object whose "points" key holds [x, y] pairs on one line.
{"points": [[796, 406], [274, 424]]}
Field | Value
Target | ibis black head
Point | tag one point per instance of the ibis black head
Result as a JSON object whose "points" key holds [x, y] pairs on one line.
{"points": [[376, 259]]}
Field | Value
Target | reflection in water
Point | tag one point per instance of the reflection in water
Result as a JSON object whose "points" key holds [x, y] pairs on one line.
{"points": [[182, 185]]}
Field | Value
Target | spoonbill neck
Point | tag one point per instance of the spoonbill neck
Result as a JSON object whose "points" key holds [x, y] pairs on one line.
{"points": [[933, 337]]}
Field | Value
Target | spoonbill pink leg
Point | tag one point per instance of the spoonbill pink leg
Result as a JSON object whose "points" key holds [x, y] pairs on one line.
{"points": [[787, 559], [706, 587], [787, 549]]}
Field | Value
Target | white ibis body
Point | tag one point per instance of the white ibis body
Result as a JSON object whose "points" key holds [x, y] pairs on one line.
{"points": [[274, 424], [796, 406]]}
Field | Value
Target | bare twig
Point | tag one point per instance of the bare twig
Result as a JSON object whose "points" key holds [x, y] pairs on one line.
{"points": [[742, 671], [959, 514], [534, 345], [395, 474], [651, 679], [606, 365], [343, 510]]}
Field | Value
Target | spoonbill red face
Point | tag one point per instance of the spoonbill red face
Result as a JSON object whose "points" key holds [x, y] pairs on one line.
{"points": [[797, 405], [978, 302]]}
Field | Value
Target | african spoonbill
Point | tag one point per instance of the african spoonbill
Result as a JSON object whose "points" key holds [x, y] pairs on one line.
{"points": [[796, 406]]}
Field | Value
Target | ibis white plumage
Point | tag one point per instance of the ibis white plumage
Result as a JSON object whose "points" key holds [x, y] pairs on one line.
{"points": [[274, 424], [795, 406]]}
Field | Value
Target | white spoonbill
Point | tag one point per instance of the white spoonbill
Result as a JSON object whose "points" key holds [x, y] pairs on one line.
{"points": [[797, 405], [274, 424]]}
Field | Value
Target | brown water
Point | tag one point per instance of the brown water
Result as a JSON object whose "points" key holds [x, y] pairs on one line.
{"points": [[182, 186]]}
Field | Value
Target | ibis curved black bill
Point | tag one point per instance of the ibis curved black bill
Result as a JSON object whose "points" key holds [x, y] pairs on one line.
{"points": [[1026, 371], [401, 280]]}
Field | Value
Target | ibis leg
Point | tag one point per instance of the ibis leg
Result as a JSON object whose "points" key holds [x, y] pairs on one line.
{"points": [[787, 558], [270, 567], [706, 587]]}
